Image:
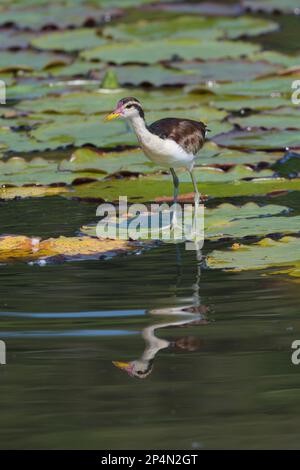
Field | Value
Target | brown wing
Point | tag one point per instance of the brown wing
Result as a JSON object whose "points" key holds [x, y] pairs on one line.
{"points": [[190, 135]]}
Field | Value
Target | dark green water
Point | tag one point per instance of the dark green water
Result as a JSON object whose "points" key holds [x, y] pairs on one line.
{"points": [[225, 381]]}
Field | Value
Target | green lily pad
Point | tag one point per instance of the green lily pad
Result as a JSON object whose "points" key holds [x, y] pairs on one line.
{"points": [[270, 86], [258, 139], [229, 221], [156, 75], [97, 102], [283, 118], [28, 60], [193, 27], [150, 188], [61, 16], [18, 172], [265, 254], [212, 154], [11, 141], [86, 159], [9, 39], [156, 51], [270, 6], [78, 68], [226, 70], [238, 103], [274, 57], [74, 40]]}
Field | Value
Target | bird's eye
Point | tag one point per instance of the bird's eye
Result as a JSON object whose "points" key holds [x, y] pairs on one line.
{"points": [[129, 106]]}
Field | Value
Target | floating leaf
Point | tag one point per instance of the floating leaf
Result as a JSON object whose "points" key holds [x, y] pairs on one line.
{"points": [[13, 61], [265, 254], [156, 51], [226, 70], [61, 16], [150, 188], [74, 40], [7, 193], [271, 6], [238, 103], [283, 118], [229, 221], [194, 27], [258, 139], [86, 159], [97, 102], [274, 57], [21, 248], [271, 86]]}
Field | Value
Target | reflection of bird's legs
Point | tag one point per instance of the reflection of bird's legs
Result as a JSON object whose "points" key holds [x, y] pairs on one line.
{"points": [[176, 192], [155, 344]]}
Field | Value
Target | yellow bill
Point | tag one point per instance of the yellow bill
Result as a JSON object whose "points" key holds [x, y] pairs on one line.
{"points": [[121, 365], [112, 116]]}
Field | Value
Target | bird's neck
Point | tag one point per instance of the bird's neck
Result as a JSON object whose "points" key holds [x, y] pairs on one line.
{"points": [[140, 128]]}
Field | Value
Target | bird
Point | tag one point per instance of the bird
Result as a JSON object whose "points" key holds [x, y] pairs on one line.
{"points": [[171, 142]]}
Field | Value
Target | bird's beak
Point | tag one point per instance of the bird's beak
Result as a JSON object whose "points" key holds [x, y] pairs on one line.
{"points": [[115, 114], [123, 365]]}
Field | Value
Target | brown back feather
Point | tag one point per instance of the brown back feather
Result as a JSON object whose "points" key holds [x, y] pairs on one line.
{"points": [[189, 134]]}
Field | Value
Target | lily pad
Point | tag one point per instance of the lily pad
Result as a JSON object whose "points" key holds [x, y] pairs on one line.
{"points": [[7, 193], [150, 188], [226, 70], [258, 139], [265, 254], [14, 61], [270, 86], [271, 6], [195, 27], [156, 75], [242, 103], [61, 16], [166, 49], [283, 118], [74, 40], [20, 248], [229, 221], [274, 57], [97, 102], [130, 161]]}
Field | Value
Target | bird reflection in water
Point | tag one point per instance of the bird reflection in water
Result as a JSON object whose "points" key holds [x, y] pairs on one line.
{"points": [[194, 314]]}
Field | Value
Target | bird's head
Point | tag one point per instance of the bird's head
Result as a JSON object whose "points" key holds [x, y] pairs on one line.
{"points": [[127, 108], [138, 368]]}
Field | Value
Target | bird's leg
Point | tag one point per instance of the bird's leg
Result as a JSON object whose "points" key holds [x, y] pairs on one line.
{"points": [[176, 192], [197, 194]]}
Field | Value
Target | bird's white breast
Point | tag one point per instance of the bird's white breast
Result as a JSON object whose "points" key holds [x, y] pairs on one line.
{"points": [[165, 152]]}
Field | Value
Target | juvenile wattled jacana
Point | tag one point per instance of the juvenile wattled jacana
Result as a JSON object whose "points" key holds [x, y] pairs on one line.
{"points": [[171, 142]]}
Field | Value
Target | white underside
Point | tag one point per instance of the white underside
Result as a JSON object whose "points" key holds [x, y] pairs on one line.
{"points": [[165, 152]]}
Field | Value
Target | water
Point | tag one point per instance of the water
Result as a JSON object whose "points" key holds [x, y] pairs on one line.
{"points": [[224, 379]]}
